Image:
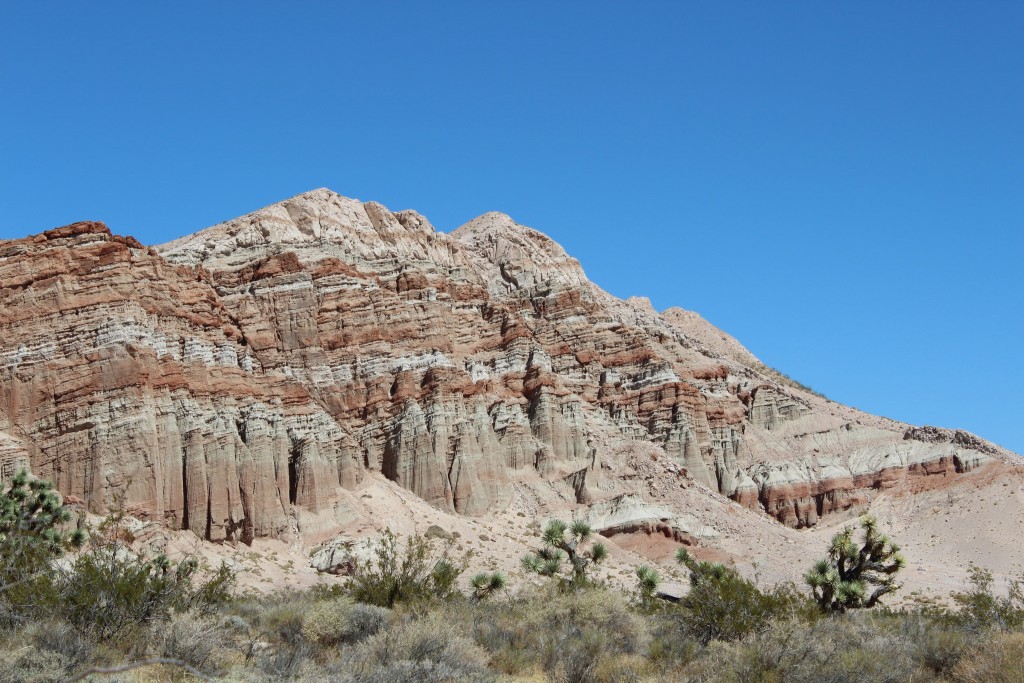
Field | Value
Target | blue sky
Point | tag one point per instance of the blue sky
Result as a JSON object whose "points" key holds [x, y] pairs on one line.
{"points": [[838, 185]]}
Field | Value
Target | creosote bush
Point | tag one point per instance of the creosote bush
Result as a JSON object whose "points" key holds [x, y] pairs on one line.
{"points": [[980, 609], [722, 605], [111, 588], [396, 574]]}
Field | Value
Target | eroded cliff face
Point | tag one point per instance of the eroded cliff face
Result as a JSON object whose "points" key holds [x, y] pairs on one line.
{"points": [[240, 381]]}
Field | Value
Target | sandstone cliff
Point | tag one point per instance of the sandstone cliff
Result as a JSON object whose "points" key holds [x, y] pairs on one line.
{"points": [[241, 381]]}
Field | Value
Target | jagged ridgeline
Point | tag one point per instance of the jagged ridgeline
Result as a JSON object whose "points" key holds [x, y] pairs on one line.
{"points": [[240, 381]]}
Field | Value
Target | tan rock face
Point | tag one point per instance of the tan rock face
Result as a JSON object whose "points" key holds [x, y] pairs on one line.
{"points": [[237, 381]]}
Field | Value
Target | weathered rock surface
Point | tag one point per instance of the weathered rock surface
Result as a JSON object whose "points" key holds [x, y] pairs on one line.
{"points": [[237, 381]]}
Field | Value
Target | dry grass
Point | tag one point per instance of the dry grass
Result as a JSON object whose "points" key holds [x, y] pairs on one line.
{"points": [[1001, 660]]}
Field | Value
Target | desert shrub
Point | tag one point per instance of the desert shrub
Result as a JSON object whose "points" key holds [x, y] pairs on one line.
{"points": [[621, 669], [397, 575], [839, 650], [326, 622], [330, 622], [672, 645], [193, 638], [30, 665], [573, 659], [430, 645], [935, 645], [284, 619], [44, 651], [570, 636], [109, 590], [416, 672], [365, 621], [289, 662], [979, 609], [722, 605], [232, 623], [74, 647], [1000, 660]]}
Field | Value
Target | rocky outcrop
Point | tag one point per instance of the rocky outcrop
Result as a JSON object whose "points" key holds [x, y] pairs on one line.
{"points": [[630, 514], [237, 381]]}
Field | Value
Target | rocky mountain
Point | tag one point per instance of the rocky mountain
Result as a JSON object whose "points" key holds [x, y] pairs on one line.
{"points": [[243, 381]]}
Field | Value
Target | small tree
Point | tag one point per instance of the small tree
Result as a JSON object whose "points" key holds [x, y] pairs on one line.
{"points": [[33, 532], [562, 541], [844, 579]]}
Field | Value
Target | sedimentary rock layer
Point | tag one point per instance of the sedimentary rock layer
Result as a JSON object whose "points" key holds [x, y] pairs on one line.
{"points": [[238, 381]]}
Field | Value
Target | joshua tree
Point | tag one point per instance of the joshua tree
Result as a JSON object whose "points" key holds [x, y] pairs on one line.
{"points": [[563, 541], [485, 585], [856, 575], [33, 530]]}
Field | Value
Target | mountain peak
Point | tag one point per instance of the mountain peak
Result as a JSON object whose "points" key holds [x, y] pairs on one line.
{"points": [[319, 216]]}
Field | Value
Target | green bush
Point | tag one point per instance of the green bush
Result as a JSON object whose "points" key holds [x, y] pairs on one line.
{"points": [[979, 609], [395, 575], [110, 590], [722, 605]]}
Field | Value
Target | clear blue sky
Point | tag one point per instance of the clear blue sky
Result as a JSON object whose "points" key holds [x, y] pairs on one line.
{"points": [[839, 185]]}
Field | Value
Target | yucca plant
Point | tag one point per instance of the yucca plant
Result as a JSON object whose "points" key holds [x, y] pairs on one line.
{"points": [[856, 575], [564, 542], [486, 584], [647, 581]]}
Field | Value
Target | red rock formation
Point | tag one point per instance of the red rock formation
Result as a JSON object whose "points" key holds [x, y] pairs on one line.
{"points": [[236, 379]]}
